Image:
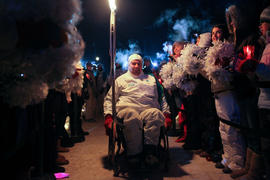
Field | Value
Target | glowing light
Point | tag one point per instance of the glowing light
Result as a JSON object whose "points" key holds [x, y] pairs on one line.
{"points": [[97, 58], [112, 5], [155, 64], [249, 51], [21, 75]]}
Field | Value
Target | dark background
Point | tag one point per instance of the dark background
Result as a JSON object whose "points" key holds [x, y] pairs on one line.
{"points": [[135, 22]]}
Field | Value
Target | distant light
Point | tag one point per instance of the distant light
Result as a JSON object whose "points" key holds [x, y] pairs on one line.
{"points": [[21, 75], [155, 64], [97, 58]]}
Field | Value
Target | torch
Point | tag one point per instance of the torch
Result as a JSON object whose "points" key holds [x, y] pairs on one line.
{"points": [[112, 52], [112, 136]]}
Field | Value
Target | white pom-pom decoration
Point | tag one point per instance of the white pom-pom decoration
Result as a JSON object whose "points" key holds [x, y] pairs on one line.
{"points": [[166, 73], [214, 71]]}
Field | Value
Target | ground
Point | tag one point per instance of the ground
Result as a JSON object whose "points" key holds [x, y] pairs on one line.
{"points": [[87, 161]]}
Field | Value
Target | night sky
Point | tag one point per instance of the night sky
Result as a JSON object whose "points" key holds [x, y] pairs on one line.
{"points": [[136, 22]]}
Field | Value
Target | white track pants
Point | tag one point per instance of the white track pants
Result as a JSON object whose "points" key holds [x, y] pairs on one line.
{"points": [[133, 122]]}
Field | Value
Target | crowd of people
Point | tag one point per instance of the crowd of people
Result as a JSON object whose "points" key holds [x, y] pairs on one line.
{"points": [[218, 92]]}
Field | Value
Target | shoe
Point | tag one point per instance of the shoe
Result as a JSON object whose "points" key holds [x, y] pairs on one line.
{"points": [[216, 157], [190, 147], [219, 165], [134, 161], [57, 169], [227, 170], [62, 149], [204, 154], [61, 161], [60, 156], [180, 139], [84, 133], [208, 158], [67, 142], [237, 173], [151, 161], [198, 151], [150, 156], [77, 139]]}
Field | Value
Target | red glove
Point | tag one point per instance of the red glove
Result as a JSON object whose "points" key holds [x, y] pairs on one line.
{"points": [[168, 120], [108, 123]]}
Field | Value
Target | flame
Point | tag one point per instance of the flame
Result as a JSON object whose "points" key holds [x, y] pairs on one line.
{"points": [[249, 51], [112, 5]]}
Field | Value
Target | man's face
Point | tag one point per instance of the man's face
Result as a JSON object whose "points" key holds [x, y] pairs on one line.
{"points": [[264, 27], [217, 34], [89, 67], [147, 63], [135, 67]]}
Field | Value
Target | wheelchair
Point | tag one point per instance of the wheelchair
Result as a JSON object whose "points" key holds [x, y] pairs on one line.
{"points": [[117, 148]]}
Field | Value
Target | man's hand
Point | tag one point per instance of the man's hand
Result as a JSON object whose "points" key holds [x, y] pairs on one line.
{"points": [[108, 123], [168, 120]]}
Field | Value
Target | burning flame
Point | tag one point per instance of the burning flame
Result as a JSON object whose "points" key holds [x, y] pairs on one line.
{"points": [[249, 51], [112, 5]]}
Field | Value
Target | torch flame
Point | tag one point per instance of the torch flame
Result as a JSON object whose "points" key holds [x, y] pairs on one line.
{"points": [[112, 5]]}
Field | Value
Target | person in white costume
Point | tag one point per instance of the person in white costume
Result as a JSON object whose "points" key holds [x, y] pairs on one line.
{"points": [[138, 103]]}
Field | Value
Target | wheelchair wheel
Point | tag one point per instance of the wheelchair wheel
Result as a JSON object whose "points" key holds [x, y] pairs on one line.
{"points": [[164, 148], [113, 151]]}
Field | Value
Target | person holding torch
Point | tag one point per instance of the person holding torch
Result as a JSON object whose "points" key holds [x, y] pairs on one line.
{"points": [[142, 106]]}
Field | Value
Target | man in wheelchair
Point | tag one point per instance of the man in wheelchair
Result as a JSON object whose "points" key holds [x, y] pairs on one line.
{"points": [[142, 106]]}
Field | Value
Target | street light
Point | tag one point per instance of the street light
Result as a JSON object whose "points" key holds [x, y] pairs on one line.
{"points": [[97, 58]]}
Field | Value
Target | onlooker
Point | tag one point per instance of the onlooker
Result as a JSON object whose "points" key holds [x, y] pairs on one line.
{"points": [[243, 31], [101, 81], [147, 65], [228, 111], [90, 85], [263, 72]]}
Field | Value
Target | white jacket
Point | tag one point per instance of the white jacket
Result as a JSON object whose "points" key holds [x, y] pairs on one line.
{"points": [[138, 92], [263, 72]]}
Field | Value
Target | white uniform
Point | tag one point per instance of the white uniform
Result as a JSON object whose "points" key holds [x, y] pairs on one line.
{"points": [[263, 72], [137, 102]]}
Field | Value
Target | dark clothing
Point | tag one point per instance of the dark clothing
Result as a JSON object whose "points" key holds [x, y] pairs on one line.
{"points": [[75, 108], [265, 141], [147, 70]]}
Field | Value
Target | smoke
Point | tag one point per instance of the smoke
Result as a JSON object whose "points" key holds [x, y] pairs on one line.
{"points": [[123, 54], [166, 17], [180, 29], [185, 28], [167, 50]]}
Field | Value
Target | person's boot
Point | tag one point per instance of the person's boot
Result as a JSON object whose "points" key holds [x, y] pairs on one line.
{"points": [[181, 121], [61, 160], [60, 148], [243, 171], [255, 169], [183, 138], [150, 156]]}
